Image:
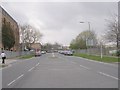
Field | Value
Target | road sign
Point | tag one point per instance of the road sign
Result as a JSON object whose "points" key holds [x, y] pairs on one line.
{"points": [[90, 42]]}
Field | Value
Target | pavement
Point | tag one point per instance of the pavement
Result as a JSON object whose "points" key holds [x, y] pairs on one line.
{"points": [[8, 61], [59, 71]]}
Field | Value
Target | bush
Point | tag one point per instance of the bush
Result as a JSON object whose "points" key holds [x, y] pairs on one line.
{"points": [[118, 53]]}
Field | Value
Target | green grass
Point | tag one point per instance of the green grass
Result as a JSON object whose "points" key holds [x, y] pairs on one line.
{"points": [[26, 56], [98, 58]]}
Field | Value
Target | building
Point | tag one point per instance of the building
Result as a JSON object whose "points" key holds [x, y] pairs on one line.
{"points": [[33, 46], [6, 18], [36, 46], [0, 28]]}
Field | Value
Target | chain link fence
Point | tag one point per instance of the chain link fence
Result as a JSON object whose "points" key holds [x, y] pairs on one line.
{"points": [[106, 51], [12, 54]]}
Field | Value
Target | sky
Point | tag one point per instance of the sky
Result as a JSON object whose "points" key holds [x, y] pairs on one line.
{"points": [[59, 21]]}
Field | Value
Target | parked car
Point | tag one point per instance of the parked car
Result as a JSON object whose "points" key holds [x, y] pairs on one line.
{"points": [[61, 52], [43, 52], [70, 53], [37, 53]]}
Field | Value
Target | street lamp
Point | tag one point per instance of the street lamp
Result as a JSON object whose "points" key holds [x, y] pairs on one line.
{"points": [[87, 39], [88, 24]]}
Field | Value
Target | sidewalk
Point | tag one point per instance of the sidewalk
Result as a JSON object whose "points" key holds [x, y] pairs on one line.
{"points": [[7, 61]]}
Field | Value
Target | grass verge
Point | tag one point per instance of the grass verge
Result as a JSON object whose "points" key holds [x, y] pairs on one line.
{"points": [[26, 56], [98, 58]]}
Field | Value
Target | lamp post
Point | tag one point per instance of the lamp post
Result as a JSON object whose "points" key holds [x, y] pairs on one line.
{"points": [[87, 39], [88, 24], [101, 51]]}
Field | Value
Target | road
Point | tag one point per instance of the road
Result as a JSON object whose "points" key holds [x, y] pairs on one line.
{"points": [[59, 71]]}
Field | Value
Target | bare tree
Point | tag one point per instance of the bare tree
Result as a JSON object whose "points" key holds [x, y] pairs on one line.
{"points": [[29, 35], [112, 34], [35, 35]]}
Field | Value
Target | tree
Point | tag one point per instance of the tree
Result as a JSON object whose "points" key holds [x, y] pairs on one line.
{"points": [[47, 46], [8, 37], [112, 34], [80, 42], [56, 46], [29, 35]]}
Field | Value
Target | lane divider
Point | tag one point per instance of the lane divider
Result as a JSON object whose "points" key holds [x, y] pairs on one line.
{"points": [[15, 79], [73, 62], [22, 75], [84, 67], [96, 62], [108, 75], [31, 69], [53, 54], [37, 64]]}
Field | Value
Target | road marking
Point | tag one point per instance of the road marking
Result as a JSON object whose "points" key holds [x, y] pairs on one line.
{"points": [[15, 79], [108, 75], [84, 67], [53, 54], [11, 82], [31, 69], [73, 62], [37, 64], [20, 76]]}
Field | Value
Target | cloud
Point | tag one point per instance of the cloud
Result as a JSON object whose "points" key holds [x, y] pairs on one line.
{"points": [[59, 21], [60, 1]]}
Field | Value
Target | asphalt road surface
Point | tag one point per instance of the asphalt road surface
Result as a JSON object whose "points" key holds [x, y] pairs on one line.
{"points": [[59, 71]]}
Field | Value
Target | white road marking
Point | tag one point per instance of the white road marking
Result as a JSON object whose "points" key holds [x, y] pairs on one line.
{"points": [[37, 64], [20, 76], [11, 82], [108, 75], [53, 54], [84, 67], [73, 62], [15, 79], [31, 69]]}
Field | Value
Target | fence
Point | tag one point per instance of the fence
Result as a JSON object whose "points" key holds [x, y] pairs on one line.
{"points": [[12, 54], [97, 51]]}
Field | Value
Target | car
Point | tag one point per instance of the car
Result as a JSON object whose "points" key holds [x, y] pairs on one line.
{"points": [[61, 52], [37, 53], [70, 53], [43, 52]]}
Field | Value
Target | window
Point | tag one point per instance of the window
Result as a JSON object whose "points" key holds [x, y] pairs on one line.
{"points": [[4, 20]]}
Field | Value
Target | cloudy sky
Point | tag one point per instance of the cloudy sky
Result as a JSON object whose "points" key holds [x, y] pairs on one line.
{"points": [[59, 21]]}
